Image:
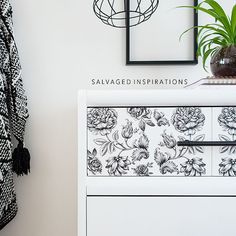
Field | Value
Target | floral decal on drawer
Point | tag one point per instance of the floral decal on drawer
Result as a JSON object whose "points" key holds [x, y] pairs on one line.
{"points": [[142, 141], [187, 121], [227, 122]]}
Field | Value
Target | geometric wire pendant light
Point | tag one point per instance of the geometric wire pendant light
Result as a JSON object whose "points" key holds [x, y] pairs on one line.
{"points": [[113, 12]]}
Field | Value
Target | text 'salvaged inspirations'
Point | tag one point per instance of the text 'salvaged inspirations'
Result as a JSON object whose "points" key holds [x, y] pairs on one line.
{"points": [[143, 82]]}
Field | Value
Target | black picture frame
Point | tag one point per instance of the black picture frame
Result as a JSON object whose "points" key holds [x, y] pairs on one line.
{"points": [[193, 61]]}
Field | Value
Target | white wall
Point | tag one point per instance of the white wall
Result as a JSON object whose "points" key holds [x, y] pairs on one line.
{"points": [[62, 46]]}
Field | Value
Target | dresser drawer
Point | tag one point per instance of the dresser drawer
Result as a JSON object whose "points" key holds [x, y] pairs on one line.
{"points": [[142, 141], [165, 216]]}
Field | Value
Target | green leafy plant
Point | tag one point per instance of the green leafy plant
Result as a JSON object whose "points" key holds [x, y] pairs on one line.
{"points": [[214, 36]]}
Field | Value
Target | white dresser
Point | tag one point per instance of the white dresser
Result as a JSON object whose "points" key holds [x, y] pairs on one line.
{"points": [[157, 162]]}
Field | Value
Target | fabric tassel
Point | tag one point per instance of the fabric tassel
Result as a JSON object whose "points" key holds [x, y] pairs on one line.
{"points": [[21, 160]]}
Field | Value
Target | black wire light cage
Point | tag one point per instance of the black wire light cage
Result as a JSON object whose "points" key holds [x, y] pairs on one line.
{"points": [[113, 12]]}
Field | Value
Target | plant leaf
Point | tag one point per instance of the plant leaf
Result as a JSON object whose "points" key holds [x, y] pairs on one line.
{"points": [[199, 137], [142, 125], [221, 15], [104, 148], [205, 57], [199, 149], [181, 138], [232, 150], [212, 36], [115, 135], [89, 153], [233, 19], [224, 137], [224, 149], [150, 123], [94, 152], [118, 145], [100, 141], [191, 150], [111, 147]]}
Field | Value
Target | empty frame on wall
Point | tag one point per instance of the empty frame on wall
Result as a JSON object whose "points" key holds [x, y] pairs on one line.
{"points": [[157, 41]]}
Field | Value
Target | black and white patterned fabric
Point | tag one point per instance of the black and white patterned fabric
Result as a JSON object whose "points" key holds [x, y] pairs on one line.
{"points": [[13, 111]]}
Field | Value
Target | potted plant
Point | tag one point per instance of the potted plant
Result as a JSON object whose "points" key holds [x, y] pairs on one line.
{"points": [[217, 40]]}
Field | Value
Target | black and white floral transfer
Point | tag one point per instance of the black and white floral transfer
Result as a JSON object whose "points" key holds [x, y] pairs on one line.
{"points": [[142, 141], [188, 120], [228, 166], [94, 164], [118, 165], [193, 167], [227, 120], [101, 120], [227, 154]]}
